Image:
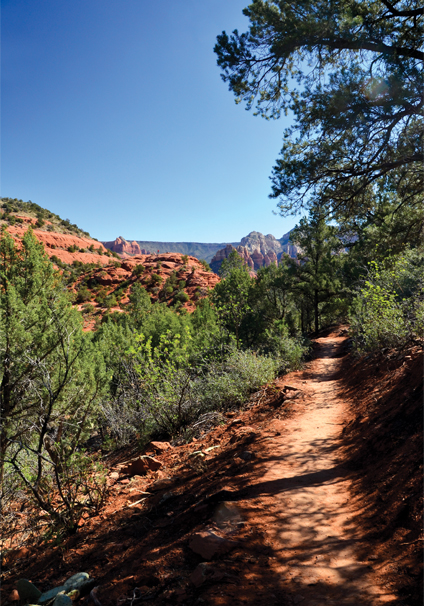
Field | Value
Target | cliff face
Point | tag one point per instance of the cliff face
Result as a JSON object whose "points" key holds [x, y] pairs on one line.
{"points": [[257, 251], [124, 248], [255, 241]]}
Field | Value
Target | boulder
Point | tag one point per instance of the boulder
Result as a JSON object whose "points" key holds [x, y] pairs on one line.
{"points": [[140, 466], [152, 463], [27, 591], [52, 593], [135, 467], [160, 447], [62, 600], [76, 580], [208, 544]]}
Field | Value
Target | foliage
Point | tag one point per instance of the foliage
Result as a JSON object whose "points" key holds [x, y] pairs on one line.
{"points": [[231, 295], [138, 270], [388, 310], [205, 264], [51, 377], [162, 389], [14, 205], [351, 74], [317, 277]]}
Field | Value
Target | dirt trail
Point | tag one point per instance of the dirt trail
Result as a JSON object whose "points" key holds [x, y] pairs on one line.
{"points": [[310, 520]]}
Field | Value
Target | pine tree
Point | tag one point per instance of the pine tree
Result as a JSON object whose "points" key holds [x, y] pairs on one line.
{"points": [[317, 278]]}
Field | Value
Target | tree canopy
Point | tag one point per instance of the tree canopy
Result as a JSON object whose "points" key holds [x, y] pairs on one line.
{"points": [[351, 73]]}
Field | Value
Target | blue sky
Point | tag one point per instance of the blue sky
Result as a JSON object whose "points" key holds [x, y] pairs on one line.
{"points": [[114, 115]]}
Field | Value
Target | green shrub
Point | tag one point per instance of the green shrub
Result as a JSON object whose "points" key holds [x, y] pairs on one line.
{"points": [[161, 388], [205, 264], [138, 270], [156, 279], [388, 309], [83, 295]]}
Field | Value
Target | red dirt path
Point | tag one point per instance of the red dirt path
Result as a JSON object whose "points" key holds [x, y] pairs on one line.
{"points": [[305, 509]]}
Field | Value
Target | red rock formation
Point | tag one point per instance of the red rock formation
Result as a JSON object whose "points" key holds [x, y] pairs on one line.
{"points": [[110, 278], [244, 254], [267, 250], [124, 248], [270, 257], [58, 245], [258, 259]]}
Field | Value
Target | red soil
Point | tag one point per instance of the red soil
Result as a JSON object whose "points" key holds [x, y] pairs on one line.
{"points": [[314, 512]]}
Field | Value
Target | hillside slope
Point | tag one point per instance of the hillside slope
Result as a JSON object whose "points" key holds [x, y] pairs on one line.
{"points": [[173, 279], [99, 278], [62, 240]]}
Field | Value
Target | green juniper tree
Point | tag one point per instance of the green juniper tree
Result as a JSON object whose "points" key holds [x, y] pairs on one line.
{"points": [[50, 374], [231, 295]]}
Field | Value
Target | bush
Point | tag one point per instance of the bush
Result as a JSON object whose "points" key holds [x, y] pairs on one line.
{"points": [[289, 351], [138, 270], [160, 388], [388, 310], [205, 264], [231, 382], [156, 279], [181, 297], [73, 485]]}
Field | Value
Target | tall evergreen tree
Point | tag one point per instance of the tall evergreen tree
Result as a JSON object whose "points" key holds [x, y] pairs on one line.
{"points": [[317, 277]]}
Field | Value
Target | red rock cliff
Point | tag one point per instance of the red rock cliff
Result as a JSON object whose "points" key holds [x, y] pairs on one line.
{"points": [[123, 247]]}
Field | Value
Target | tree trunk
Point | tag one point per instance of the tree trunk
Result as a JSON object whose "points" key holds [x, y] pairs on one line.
{"points": [[316, 311]]}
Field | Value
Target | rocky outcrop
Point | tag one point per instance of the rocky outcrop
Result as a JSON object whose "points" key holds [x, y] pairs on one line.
{"points": [[124, 248], [65, 247], [254, 261], [256, 241], [168, 278], [257, 251]]}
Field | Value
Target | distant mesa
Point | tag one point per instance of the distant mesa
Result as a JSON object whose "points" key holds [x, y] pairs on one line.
{"points": [[199, 250], [256, 249]]}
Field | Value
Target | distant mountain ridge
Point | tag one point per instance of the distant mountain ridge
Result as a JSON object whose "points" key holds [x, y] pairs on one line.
{"points": [[202, 250]]}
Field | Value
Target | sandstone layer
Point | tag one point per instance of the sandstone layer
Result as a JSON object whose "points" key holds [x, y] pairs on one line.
{"points": [[65, 247], [124, 248]]}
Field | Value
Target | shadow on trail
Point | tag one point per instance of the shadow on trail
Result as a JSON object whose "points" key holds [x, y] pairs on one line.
{"points": [[149, 548]]}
